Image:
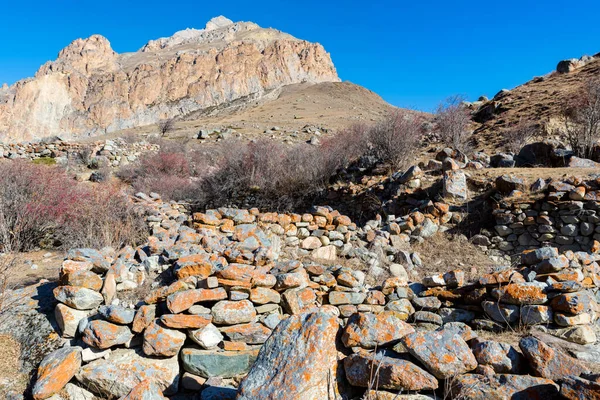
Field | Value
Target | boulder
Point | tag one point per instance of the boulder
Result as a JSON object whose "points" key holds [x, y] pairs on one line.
{"points": [[207, 337], [502, 386], [455, 185], [369, 330], [163, 342], [117, 314], [392, 373], [146, 390], [547, 362], [102, 334], [228, 312], [575, 388], [252, 333], [125, 369], [77, 297], [55, 371], [68, 319], [502, 357], [444, 353], [299, 359]]}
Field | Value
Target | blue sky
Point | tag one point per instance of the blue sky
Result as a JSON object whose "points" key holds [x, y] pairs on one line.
{"points": [[414, 54]]}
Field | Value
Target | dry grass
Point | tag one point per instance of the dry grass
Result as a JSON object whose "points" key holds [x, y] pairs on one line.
{"points": [[445, 252], [11, 378]]}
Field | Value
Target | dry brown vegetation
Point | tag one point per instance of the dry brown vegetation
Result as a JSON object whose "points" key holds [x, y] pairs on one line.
{"points": [[453, 121], [445, 252]]}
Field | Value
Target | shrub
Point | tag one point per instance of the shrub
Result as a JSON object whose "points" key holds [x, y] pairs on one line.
{"points": [[519, 135], [453, 121], [396, 138], [39, 202], [580, 116], [166, 126]]}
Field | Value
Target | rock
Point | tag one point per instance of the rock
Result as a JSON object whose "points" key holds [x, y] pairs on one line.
{"points": [[576, 162], [575, 388], [102, 334], [532, 257], [582, 334], [385, 395], [443, 353], [299, 359], [143, 317], [117, 314], [163, 342], [68, 319], [146, 390], [217, 363], [218, 393], [507, 183], [502, 386], [535, 315], [82, 278], [181, 301], [253, 333], [184, 321], [325, 253], [455, 185], [311, 243], [502, 313], [368, 330], [339, 298], [392, 373], [207, 337], [502, 357], [55, 371], [125, 369], [521, 293], [574, 303], [79, 298], [547, 362], [233, 312]]}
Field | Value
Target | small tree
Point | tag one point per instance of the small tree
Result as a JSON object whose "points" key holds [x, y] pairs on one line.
{"points": [[396, 138], [166, 126], [519, 135], [580, 116], [453, 120]]}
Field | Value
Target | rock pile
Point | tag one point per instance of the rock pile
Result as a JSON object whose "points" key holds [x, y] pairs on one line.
{"points": [[233, 304]]}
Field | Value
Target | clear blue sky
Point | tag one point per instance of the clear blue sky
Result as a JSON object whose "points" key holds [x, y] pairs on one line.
{"points": [[414, 54]]}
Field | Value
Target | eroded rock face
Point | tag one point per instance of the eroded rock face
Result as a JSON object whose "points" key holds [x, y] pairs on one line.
{"points": [[299, 359], [90, 89]]}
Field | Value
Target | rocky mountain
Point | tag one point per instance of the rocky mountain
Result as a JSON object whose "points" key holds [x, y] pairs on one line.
{"points": [[92, 90]]}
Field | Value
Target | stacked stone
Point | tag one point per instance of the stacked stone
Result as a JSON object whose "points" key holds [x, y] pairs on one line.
{"points": [[109, 152], [567, 217]]}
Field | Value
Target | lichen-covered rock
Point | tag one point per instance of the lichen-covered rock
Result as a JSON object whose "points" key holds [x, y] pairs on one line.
{"points": [[521, 293], [117, 314], [68, 319], [185, 321], [55, 371], [82, 278], [217, 363], [575, 388], [102, 334], [574, 303], [125, 369], [443, 352], [182, 300], [207, 337], [159, 341], [299, 359], [252, 333], [146, 390], [368, 330], [77, 297], [502, 357], [502, 386], [228, 312], [392, 373], [143, 317], [548, 362]]}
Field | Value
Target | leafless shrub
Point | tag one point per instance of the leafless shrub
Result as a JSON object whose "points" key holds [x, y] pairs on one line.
{"points": [[580, 117], [396, 138], [165, 126], [519, 135], [453, 123], [40, 203]]}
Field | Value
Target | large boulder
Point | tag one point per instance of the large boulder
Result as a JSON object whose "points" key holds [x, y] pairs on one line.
{"points": [[55, 371], [125, 369], [444, 353], [548, 362], [298, 361], [392, 373], [502, 386]]}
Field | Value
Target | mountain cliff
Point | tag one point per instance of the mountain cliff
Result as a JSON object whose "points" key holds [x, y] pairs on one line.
{"points": [[90, 89]]}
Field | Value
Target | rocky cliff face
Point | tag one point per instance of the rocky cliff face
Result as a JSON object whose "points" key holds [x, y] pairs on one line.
{"points": [[90, 89]]}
